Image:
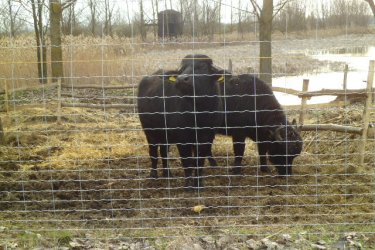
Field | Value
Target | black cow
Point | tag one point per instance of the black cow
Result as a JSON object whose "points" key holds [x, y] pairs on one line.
{"points": [[252, 110], [181, 107]]}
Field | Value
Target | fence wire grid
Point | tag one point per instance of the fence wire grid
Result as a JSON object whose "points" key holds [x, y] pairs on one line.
{"points": [[74, 159]]}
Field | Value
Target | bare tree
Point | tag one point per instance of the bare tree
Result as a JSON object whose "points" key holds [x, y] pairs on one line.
{"points": [[56, 8], [265, 16], [11, 18], [240, 26], [39, 29], [292, 18], [108, 14], [93, 7], [10, 12], [219, 14], [154, 16], [69, 21], [142, 26]]}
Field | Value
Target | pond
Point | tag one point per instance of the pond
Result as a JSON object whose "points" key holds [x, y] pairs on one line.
{"points": [[357, 59]]}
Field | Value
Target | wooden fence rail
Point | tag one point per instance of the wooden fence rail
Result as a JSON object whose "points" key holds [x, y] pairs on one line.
{"points": [[65, 85], [366, 94], [98, 106], [335, 92]]}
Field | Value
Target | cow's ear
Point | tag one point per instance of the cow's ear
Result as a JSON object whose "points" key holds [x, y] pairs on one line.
{"points": [[276, 134], [221, 79], [222, 75], [297, 127], [172, 79]]}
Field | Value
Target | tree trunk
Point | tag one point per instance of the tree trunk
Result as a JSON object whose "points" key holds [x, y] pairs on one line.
{"points": [[108, 11], [265, 33], [239, 29], [55, 10], [92, 6], [68, 27], [153, 19], [2, 137], [37, 10], [219, 15], [142, 25], [11, 18]]}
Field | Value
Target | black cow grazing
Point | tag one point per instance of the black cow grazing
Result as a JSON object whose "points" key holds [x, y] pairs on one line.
{"points": [[181, 107], [253, 111]]}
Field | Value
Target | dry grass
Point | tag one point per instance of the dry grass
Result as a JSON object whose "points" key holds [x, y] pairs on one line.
{"points": [[91, 172], [95, 165], [105, 60]]}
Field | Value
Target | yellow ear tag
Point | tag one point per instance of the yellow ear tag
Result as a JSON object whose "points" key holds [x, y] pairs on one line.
{"points": [[172, 79], [221, 79]]}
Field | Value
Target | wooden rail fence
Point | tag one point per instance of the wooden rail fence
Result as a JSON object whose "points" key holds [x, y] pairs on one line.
{"points": [[367, 94]]}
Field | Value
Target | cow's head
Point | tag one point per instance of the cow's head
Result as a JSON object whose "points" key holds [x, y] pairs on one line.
{"points": [[197, 75], [287, 144]]}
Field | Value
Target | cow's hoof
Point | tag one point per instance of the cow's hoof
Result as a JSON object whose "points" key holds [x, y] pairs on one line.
{"points": [[236, 170], [167, 174], [154, 174]]}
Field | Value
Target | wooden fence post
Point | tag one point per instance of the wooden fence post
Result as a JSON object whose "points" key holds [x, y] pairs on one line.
{"points": [[59, 100], [6, 97], [304, 99], [2, 137], [366, 112], [345, 83]]}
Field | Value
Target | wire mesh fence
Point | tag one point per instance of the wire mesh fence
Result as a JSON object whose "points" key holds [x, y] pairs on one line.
{"points": [[75, 161]]}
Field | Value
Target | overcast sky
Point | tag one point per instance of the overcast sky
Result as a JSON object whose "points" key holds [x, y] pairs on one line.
{"points": [[124, 7]]}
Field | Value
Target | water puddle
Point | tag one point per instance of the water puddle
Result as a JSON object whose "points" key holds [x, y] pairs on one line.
{"points": [[357, 59]]}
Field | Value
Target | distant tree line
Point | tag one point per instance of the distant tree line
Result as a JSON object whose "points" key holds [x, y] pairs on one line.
{"points": [[201, 18], [301, 16], [127, 18]]}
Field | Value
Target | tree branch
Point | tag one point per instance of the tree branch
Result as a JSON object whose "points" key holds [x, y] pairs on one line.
{"points": [[26, 8], [67, 4], [256, 8], [280, 6]]}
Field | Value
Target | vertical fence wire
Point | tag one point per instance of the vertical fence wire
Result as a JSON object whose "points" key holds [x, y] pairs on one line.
{"points": [[75, 161]]}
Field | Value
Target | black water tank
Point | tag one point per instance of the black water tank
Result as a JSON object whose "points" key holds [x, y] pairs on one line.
{"points": [[169, 23]]}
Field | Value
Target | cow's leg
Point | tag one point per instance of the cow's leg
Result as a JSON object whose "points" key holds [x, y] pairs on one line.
{"points": [[212, 160], [284, 165], [153, 152], [239, 150], [262, 151], [204, 151], [185, 151], [164, 158]]}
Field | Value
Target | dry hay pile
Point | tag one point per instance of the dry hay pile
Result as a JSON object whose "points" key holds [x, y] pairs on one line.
{"points": [[92, 172]]}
